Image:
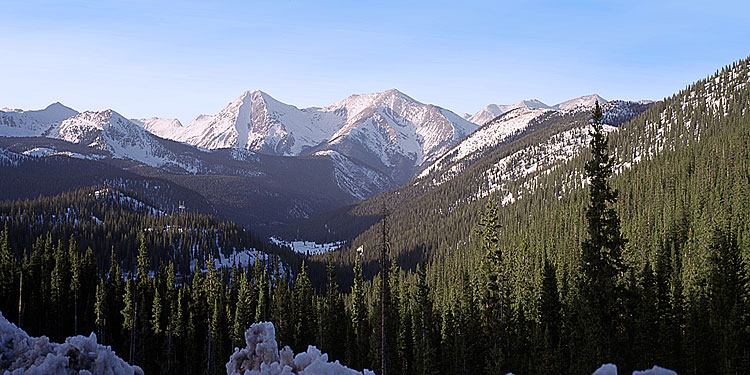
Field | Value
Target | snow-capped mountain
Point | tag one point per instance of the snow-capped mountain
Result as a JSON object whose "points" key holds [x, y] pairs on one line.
{"points": [[491, 111], [491, 135], [20, 123], [257, 122], [119, 138], [388, 131], [586, 101], [162, 127], [395, 133]]}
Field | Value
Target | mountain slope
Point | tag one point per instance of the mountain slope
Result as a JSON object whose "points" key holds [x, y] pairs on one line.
{"points": [[20, 123]]}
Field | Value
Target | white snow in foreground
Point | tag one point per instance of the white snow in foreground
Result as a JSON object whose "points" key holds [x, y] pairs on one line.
{"points": [[262, 357], [309, 247], [22, 354], [611, 369]]}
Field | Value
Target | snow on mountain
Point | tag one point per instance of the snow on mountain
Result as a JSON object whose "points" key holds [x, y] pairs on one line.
{"points": [[162, 127], [488, 136], [395, 133], [119, 137], [384, 130], [491, 111], [354, 178], [586, 101], [257, 122], [20, 123]]}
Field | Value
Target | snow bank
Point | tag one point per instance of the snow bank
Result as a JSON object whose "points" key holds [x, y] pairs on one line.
{"points": [[22, 354], [610, 369], [656, 370], [262, 357]]}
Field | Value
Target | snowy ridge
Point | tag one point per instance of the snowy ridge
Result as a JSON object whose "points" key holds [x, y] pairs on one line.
{"points": [[491, 111], [583, 102], [488, 136], [119, 137], [383, 130], [162, 127], [20, 123], [255, 121]]}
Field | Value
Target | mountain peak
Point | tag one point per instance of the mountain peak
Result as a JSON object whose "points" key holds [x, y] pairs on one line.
{"points": [[585, 101]]}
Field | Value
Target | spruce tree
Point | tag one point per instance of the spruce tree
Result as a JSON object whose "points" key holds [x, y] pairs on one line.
{"points": [[493, 290], [601, 266]]}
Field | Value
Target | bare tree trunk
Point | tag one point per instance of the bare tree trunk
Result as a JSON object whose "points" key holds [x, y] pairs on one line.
{"points": [[20, 299]]}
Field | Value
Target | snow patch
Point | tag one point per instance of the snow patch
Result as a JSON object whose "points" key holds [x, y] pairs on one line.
{"points": [[309, 247]]}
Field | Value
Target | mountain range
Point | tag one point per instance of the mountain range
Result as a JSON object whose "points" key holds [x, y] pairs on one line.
{"points": [[277, 163]]}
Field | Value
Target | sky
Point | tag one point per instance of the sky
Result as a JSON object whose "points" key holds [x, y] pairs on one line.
{"points": [[182, 59]]}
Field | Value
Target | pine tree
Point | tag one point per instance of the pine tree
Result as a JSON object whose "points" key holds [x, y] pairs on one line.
{"points": [[9, 276], [100, 310], [493, 292], [728, 293], [261, 311], [425, 342], [550, 320], [600, 286], [60, 288], [75, 282], [360, 324], [242, 312], [304, 307]]}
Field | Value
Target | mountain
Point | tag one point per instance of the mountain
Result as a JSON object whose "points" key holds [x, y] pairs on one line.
{"points": [[162, 127], [491, 111], [389, 131], [119, 138], [586, 101], [20, 123], [394, 133]]}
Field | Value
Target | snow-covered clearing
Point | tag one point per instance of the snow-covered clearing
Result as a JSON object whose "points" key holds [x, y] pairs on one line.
{"points": [[309, 247]]}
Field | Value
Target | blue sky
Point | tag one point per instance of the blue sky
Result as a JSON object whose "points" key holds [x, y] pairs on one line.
{"points": [[181, 59]]}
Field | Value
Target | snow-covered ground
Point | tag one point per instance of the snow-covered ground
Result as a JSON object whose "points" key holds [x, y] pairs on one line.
{"points": [[241, 258], [261, 356], [309, 247], [22, 354], [611, 369]]}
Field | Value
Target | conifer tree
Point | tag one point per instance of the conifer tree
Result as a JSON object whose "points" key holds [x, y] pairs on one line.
{"points": [[9, 276], [242, 312], [425, 341], [304, 307], [360, 321], [728, 293], [100, 311], [493, 292], [601, 267], [550, 320]]}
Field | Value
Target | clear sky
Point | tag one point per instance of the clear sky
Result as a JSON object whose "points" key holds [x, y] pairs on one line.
{"points": [[181, 59]]}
